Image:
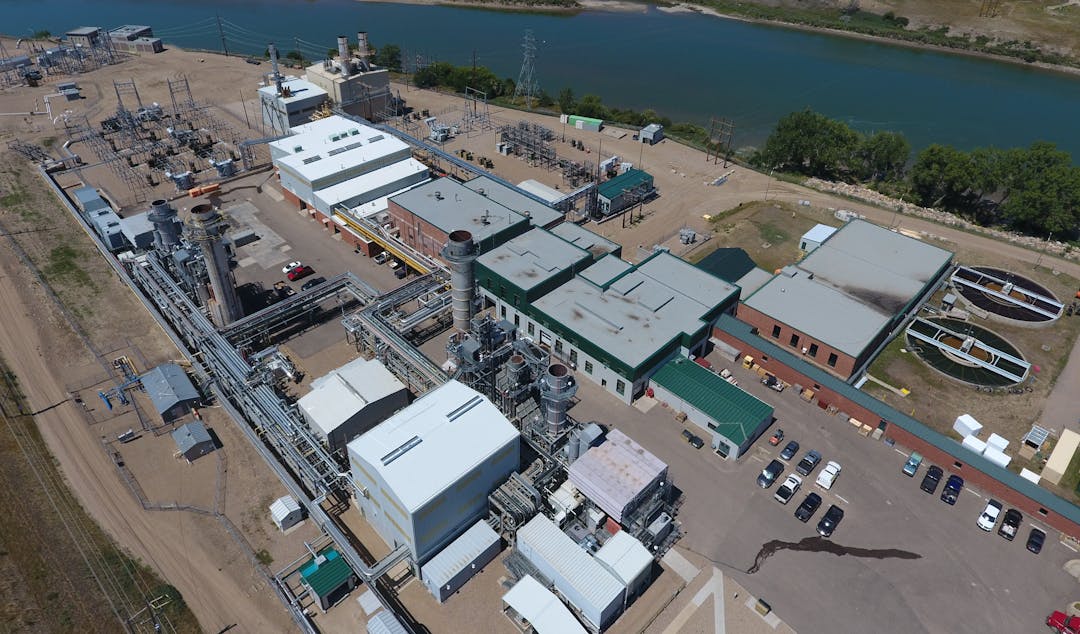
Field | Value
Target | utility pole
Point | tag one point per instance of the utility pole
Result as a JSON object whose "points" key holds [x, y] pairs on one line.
{"points": [[244, 104], [221, 32]]}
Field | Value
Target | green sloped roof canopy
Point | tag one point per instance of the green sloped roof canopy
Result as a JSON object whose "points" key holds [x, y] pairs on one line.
{"points": [[326, 577], [736, 413]]}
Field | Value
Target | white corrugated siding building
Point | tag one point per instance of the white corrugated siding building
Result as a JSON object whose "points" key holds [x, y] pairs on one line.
{"points": [[350, 400], [627, 559], [423, 475], [588, 586], [286, 512], [544, 612], [457, 563], [618, 474]]}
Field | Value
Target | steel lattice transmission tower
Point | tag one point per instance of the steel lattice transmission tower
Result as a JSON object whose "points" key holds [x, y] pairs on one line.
{"points": [[526, 83]]}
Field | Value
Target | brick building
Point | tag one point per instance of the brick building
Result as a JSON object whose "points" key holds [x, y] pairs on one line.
{"points": [[844, 301], [828, 390]]}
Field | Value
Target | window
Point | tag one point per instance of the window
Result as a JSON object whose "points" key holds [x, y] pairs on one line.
{"points": [[832, 359], [764, 358], [573, 356], [620, 387], [1043, 512], [722, 449], [588, 367], [558, 345], [532, 328], [603, 382], [956, 465], [502, 311], [813, 350], [794, 342], [517, 320], [776, 332]]}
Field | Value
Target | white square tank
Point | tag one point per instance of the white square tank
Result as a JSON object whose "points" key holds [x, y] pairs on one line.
{"points": [[966, 425], [974, 444], [997, 442]]}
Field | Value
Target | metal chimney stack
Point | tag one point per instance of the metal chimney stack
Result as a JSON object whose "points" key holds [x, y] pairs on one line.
{"points": [[206, 227], [166, 228], [273, 62], [362, 46], [460, 252], [557, 387], [343, 54]]}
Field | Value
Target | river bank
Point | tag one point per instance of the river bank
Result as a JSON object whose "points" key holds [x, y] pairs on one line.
{"points": [[964, 48]]}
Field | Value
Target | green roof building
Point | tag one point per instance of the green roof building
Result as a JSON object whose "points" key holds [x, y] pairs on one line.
{"points": [[625, 190], [328, 577], [733, 418]]}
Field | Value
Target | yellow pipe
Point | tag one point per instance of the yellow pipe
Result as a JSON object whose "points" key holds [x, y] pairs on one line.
{"points": [[384, 243]]}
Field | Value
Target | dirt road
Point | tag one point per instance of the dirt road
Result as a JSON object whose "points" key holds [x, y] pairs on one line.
{"points": [[167, 542]]}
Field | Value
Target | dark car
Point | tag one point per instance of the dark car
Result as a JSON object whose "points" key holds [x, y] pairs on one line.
{"points": [[808, 507], [830, 520], [770, 473], [695, 441], [312, 283], [789, 451], [1035, 541], [300, 272], [931, 479], [1010, 525], [807, 464], [952, 489]]}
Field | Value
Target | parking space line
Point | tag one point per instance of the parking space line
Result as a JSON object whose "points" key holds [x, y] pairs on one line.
{"points": [[1066, 545], [842, 499], [902, 453]]}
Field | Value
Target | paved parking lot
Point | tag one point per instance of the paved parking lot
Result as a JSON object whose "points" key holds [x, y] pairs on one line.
{"points": [[899, 557], [287, 235]]}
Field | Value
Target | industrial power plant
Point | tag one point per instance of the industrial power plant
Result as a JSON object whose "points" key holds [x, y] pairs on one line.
{"points": [[458, 405]]}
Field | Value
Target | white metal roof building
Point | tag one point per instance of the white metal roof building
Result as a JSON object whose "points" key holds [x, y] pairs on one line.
{"points": [[618, 474], [467, 555], [192, 440], [596, 594], [385, 622], [627, 559], [536, 188], [379, 183], [350, 400], [540, 214], [543, 611], [329, 151], [423, 475], [813, 238], [295, 106], [863, 282], [285, 512]]}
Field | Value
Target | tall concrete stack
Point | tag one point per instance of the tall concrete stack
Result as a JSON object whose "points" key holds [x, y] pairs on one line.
{"points": [[166, 225], [206, 227], [343, 54], [557, 387], [362, 48], [460, 251]]}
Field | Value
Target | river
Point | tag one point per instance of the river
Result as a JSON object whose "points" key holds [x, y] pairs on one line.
{"points": [[687, 66]]}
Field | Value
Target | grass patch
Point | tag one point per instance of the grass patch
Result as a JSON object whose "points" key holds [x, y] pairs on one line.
{"points": [[771, 233], [53, 588], [63, 266], [14, 199], [1072, 476]]}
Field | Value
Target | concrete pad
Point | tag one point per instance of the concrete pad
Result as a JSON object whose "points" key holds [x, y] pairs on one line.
{"points": [[644, 404], [680, 565], [369, 602]]}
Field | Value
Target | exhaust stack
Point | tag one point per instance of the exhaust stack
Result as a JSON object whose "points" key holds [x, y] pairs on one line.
{"points": [[460, 252], [557, 387], [343, 53]]}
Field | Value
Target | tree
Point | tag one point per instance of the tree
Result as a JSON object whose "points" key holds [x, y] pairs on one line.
{"points": [[567, 105], [591, 106], [941, 175], [1044, 190], [389, 57], [884, 155], [810, 143]]}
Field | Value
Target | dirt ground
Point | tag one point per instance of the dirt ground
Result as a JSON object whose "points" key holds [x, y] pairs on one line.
{"points": [[1051, 22], [191, 551]]}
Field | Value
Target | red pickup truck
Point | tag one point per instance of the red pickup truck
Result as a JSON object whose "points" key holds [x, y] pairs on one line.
{"points": [[1064, 624]]}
